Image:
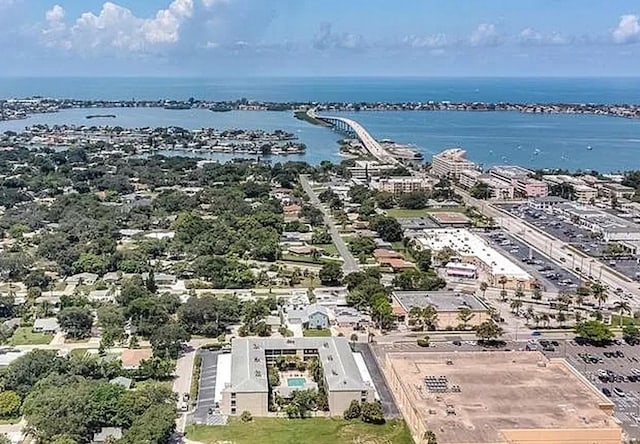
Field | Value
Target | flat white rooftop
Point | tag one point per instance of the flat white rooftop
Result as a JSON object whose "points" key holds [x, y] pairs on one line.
{"points": [[466, 243]]}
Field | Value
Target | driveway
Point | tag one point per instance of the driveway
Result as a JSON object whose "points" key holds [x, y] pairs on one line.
{"points": [[350, 264], [388, 403], [207, 389]]}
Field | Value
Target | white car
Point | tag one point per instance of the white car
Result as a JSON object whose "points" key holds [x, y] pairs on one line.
{"points": [[619, 392], [184, 406]]}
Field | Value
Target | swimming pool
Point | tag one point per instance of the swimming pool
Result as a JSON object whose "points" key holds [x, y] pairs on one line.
{"points": [[296, 382]]}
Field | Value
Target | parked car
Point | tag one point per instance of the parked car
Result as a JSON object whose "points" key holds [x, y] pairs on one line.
{"points": [[618, 391], [606, 391]]}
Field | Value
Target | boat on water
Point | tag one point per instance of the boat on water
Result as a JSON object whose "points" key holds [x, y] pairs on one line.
{"points": [[101, 116], [589, 148], [536, 151]]}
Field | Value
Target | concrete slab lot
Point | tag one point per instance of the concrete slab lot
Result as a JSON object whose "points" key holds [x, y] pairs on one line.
{"points": [[498, 397], [618, 369]]}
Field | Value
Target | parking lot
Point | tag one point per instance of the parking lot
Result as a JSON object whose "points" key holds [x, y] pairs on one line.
{"points": [[207, 390], [552, 276], [615, 371], [576, 236]]}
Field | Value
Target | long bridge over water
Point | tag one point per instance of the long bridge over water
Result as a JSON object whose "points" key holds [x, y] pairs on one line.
{"points": [[350, 126]]}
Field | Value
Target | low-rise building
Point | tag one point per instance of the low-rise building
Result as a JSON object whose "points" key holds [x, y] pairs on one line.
{"points": [[584, 193], [447, 304], [248, 385], [499, 397], [612, 228], [520, 179], [461, 270], [403, 184], [616, 190], [46, 325], [82, 278], [546, 203], [499, 189], [473, 249], [365, 169]]}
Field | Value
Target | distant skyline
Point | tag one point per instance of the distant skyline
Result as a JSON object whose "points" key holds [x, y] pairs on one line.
{"points": [[282, 38]]}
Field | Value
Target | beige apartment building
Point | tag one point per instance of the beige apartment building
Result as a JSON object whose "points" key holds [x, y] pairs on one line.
{"points": [[400, 185], [450, 163], [248, 388]]}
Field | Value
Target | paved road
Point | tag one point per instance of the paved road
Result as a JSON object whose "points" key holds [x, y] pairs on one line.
{"points": [[554, 248], [182, 382], [388, 403], [350, 264]]}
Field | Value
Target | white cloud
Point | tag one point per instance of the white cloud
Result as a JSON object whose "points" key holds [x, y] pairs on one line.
{"points": [[212, 3], [55, 14], [530, 36], [326, 39], [117, 28], [485, 35], [628, 29], [431, 41]]}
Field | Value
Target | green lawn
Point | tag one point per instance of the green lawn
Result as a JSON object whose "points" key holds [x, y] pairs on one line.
{"points": [[314, 332], [626, 320], [79, 352], [307, 431], [24, 336], [400, 213], [329, 249]]}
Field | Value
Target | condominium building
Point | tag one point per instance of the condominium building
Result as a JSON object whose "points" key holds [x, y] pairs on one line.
{"points": [[450, 163], [469, 178], [617, 190], [499, 189], [248, 386], [403, 184], [364, 169], [520, 178], [584, 193]]}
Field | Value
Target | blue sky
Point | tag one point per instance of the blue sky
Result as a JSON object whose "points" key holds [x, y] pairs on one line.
{"points": [[228, 38]]}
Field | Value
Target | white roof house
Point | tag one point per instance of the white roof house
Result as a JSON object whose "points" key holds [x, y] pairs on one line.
{"points": [[46, 325]]}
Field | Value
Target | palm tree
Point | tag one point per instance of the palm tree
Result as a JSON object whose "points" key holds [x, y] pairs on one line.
{"points": [[599, 292], [544, 317], [415, 316], [561, 317], [622, 307], [483, 288], [465, 315], [516, 305], [503, 281], [430, 317], [503, 295], [529, 314]]}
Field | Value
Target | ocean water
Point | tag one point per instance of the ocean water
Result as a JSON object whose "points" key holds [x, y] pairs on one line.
{"points": [[535, 141], [339, 89], [322, 143]]}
